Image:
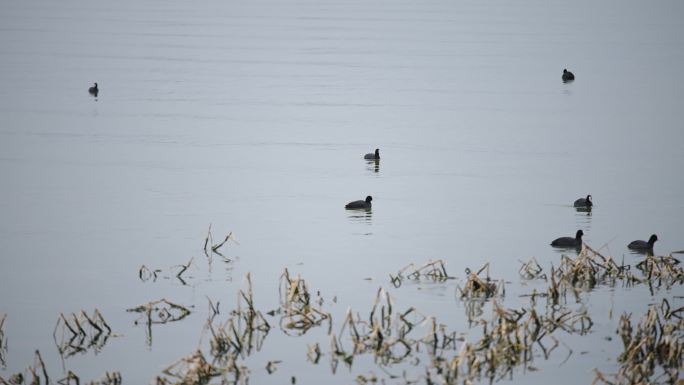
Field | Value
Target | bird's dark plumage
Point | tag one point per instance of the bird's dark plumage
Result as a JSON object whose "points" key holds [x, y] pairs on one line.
{"points": [[569, 241], [643, 245], [568, 76], [93, 90], [360, 204], [372, 156], [584, 202]]}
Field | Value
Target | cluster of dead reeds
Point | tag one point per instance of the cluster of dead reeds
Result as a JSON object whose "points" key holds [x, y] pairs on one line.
{"points": [[146, 274], [213, 248], [478, 286], [238, 337], [158, 312], [300, 312], [37, 374], [243, 332], [591, 268], [71, 378], [77, 333], [653, 348], [661, 271], [384, 333], [31, 375], [433, 270], [509, 340], [193, 369]]}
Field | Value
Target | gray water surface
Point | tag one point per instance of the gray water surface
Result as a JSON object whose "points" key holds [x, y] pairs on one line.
{"points": [[254, 117]]}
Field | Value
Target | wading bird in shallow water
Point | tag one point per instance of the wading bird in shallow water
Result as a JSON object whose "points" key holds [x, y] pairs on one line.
{"points": [[373, 156], [569, 241], [643, 245], [584, 202], [360, 204], [568, 76], [93, 90]]}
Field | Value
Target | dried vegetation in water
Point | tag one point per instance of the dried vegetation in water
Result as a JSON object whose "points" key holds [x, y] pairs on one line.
{"points": [[194, 369], [653, 349], [78, 333], [481, 286], [494, 347], [512, 338], [434, 271], [300, 312], [243, 332], [236, 338], [33, 374], [158, 312]]}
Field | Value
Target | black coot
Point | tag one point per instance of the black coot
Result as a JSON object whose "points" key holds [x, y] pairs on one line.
{"points": [[584, 202], [568, 76], [569, 241], [643, 245], [360, 204], [373, 156]]}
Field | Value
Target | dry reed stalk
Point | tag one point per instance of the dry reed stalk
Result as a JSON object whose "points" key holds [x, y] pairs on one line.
{"points": [[244, 331], [299, 313], [531, 270], [20, 378], [79, 333], [161, 311], [432, 270], [209, 242], [665, 270], [314, 353], [481, 287], [193, 369], [653, 348]]}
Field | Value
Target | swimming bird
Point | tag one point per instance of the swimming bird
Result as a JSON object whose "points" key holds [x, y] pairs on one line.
{"points": [[373, 156], [584, 202], [360, 204], [569, 241], [93, 90], [643, 245], [568, 76]]}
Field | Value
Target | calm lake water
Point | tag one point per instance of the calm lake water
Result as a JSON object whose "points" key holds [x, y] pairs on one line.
{"points": [[254, 117]]}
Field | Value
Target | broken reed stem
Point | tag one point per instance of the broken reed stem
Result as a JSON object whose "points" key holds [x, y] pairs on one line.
{"points": [[216, 247], [433, 270], [481, 287], [39, 358], [208, 239], [653, 348], [169, 312], [184, 267]]}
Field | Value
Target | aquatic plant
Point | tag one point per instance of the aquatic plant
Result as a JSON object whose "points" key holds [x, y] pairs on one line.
{"points": [[244, 331], [214, 248], [478, 286], [78, 333], [508, 341], [194, 369], [653, 349], [34, 371], [300, 313], [432, 270], [158, 312]]}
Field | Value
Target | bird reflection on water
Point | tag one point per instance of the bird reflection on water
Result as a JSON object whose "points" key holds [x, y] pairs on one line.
{"points": [[373, 165], [361, 215]]}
